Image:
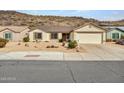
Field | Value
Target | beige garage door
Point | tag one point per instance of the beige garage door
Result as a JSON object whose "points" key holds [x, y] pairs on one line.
{"points": [[89, 38]]}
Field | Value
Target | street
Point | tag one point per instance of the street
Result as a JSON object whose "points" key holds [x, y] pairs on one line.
{"points": [[61, 71]]}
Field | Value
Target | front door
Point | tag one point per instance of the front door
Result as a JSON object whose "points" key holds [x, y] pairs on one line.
{"points": [[63, 37]]}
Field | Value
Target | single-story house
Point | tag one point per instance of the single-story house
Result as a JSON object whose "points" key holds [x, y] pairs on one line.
{"points": [[13, 33], [115, 33], [50, 33], [89, 33]]}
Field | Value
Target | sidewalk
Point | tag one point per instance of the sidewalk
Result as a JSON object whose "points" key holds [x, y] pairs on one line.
{"points": [[43, 55]]}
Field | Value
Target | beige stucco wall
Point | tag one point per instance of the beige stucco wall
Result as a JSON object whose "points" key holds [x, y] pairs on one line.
{"points": [[59, 35], [15, 36], [72, 35], [23, 34], [104, 37], [45, 35]]}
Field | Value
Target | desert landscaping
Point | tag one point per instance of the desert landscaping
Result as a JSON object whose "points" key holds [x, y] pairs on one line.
{"points": [[37, 46]]}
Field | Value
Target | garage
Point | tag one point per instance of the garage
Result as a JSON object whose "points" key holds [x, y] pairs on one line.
{"points": [[89, 34], [89, 38]]}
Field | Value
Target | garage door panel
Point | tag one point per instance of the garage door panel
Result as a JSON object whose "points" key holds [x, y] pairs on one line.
{"points": [[89, 38]]}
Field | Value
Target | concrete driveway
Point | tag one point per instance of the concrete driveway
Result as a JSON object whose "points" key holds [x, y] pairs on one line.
{"points": [[103, 52]]}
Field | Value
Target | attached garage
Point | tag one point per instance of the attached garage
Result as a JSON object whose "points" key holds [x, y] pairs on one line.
{"points": [[90, 38], [89, 34]]}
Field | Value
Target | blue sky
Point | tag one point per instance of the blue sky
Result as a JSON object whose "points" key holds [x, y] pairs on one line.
{"points": [[111, 15]]}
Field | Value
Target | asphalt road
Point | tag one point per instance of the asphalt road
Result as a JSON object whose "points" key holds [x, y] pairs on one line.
{"points": [[61, 72]]}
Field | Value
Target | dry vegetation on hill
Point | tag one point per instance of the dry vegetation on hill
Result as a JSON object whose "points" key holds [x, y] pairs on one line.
{"points": [[21, 19]]}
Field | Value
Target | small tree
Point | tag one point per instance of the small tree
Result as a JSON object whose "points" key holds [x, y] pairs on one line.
{"points": [[72, 44], [26, 39]]}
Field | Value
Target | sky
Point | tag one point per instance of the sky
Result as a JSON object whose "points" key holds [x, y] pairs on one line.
{"points": [[103, 15]]}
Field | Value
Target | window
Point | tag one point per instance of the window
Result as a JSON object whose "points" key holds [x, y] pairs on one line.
{"points": [[8, 35], [54, 35], [115, 36], [37, 35]]}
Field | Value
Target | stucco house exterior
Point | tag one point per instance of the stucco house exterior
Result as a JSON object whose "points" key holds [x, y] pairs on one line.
{"points": [[115, 33], [13, 33], [89, 33], [50, 33]]}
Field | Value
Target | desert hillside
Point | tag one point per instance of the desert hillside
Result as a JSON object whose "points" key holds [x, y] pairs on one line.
{"points": [[20, 19]]}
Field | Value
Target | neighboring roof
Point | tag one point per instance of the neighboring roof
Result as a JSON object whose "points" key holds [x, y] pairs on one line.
{"points": [[110, 29], [121, 28], [58, 29], [15, 29], [90, 23]]}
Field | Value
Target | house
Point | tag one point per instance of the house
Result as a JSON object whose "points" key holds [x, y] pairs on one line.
{"points": [[115, 33], [13, 33], [89, 33], [50, 33]]}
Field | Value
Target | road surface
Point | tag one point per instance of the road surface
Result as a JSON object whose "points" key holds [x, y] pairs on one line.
{"points": [[61, 72]]}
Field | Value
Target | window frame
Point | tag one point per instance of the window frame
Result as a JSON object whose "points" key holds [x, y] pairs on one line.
{"points": [[115, 36], [36, 37], [54, 35], [8, 35]]}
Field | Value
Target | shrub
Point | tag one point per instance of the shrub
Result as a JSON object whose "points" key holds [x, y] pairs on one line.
{"points": [[26, 39], [48, 47], [109, 40], [72, 44], [114, 40], [69, 40], [3, 42], [60, 40]]}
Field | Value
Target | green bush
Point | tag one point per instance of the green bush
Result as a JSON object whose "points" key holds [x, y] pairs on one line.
{"points": [[72, 44], [3, 42], [26, 39], [60, 40]]}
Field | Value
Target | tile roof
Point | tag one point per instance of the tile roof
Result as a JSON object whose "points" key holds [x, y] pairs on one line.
{"points": [[16, 29], [61, 29]]}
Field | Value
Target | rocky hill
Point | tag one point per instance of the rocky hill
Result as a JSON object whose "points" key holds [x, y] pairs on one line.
{"points": [[21, 19]]}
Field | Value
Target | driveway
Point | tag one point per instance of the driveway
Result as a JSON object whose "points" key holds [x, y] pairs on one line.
{"points": [[103, 52]]}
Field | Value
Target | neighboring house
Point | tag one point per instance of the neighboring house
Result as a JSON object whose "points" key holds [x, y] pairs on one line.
{"points": [[13, 33], [50, 33], [115, 33], [89, 33]]}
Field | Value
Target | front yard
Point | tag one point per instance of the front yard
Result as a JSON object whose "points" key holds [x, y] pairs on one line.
{"points": [[36, 46]]}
